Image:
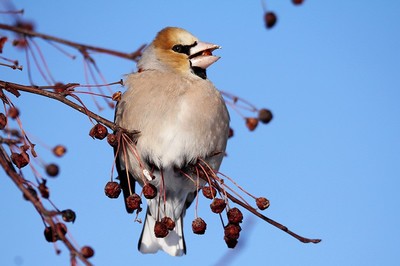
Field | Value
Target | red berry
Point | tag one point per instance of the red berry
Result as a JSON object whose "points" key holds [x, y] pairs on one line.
{"points": [[168, 222], [251, 123], [149, 191], [232, 231], [112, 140], [59, 150], [231, 243], [68, 215], [297, 2], [98, 131], [13, 112], [20, 159], [199, 226], [262, 203], [52, 170], [87, 252], [160, 230], [209, 192], [112, 190], [270, 19], [133, 202], [44, 190], [235, 216], [217, 205], [265, 116]]}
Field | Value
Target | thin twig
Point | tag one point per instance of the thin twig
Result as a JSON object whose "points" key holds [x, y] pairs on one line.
{"points": [[79, 46]]}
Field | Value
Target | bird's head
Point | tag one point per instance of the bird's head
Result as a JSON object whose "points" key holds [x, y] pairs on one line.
{"points": [[178, 50]]}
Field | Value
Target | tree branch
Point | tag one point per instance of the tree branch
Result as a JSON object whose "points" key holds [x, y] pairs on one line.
{"points": [[79, 46]]}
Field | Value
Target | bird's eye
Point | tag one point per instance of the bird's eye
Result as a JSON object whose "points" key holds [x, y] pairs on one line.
{"points": [[178, 48], [182, 49]]}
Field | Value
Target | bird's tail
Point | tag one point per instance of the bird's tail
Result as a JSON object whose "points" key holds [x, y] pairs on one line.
{"points": [[173, 243]]}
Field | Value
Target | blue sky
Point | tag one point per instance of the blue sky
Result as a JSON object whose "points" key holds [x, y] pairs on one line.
{"points": [[329, 161]]}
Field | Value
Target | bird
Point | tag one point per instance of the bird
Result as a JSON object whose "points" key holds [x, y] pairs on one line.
{"points": [[181, 117]]}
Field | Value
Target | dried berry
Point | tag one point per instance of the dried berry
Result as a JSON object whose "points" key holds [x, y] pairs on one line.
{"points": [[20, 159], [231, 243], [232, 231], [169, 223], [231, 133], [199, 226], [217, 205], [13, 112], [3, 121], [52, 170], [44, 190], [112, 190], [251, 123], [68, 215], [133, 202], [59, 87], [87, 252], [149, 191], [297, 2], [59, 150], [32, 191], [49, 234], [98, 131], [160, 230], [117, 96], [265, 116], [270, 19], [209, 192], [112, 140], [262, 203], [235, 216], [52, 235]]}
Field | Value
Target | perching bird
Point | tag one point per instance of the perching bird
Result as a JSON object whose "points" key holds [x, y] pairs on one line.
{"points": [[181, 117]]}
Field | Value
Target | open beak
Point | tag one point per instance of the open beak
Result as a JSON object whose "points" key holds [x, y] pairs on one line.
{"points": [[201, 54]]}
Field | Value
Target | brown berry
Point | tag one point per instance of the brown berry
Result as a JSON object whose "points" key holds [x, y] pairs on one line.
{"points": [[3, 121], [232, 231], [231, 133], [49, 234], [112, 140], [265, 116], [199, 226], [169, 223], [20, 159], [270, 19], [59, 87], [13, 112], [149, 191], [235, 216], [32, 191], [59, 150], [251, 123], [297, 2], [112, 190], [44, 190], [68, 215], [133, 202], [160, 230], [87, 252], [209, 192], [52, 170], [98, 131], [117, 96], [262, 203], [231, 243], [217, 205]]}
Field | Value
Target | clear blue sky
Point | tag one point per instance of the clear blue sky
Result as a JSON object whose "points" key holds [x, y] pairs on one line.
{"points": [[329, 161]]}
